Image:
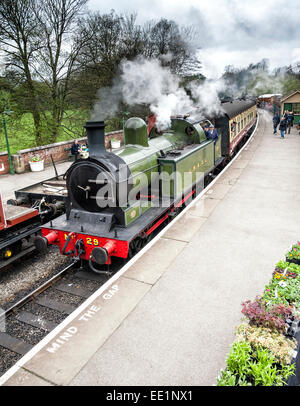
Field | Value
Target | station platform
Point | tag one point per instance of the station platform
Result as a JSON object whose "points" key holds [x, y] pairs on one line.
{"points": [[168, 318], [9, 183]]}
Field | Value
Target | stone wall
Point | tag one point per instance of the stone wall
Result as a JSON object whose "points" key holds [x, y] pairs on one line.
{"points": [[59, 152]]}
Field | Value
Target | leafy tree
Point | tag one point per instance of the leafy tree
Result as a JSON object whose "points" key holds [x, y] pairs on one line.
{"points": [[20, 40], [174, 45], [41, 45], [56, 61]]}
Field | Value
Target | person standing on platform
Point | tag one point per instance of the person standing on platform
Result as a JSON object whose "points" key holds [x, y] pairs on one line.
{"points": [[285, 116], [290, 119], [75, 149], [276, 121], [282, 127]]}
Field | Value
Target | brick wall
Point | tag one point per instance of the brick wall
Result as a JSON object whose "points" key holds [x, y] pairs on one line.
{"points": [[4, 163], [58, 152]]}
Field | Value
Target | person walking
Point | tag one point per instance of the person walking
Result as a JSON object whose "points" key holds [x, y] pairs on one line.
{"points": [[282, 127], [276, 121]]}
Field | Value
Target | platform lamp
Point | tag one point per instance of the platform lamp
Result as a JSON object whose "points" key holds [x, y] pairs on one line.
{"points": [[8, 112]]}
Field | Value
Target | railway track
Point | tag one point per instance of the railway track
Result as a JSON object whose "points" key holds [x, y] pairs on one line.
{"points": [[28, 321], [31, 318]]}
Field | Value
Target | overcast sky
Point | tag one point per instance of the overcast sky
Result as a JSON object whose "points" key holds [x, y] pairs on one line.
{"points": [[236, 32]]}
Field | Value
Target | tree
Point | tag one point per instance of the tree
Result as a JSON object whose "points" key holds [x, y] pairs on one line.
{"points": [[20, 39], [115, 38], [56, 60], [112, 38], [41, 44], [174, 45]]}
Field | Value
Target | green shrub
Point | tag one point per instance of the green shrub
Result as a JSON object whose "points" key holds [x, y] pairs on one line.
{"points": [[248, 365]]}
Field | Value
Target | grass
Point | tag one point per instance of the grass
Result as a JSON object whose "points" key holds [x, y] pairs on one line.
{"points": [[21, 130]]}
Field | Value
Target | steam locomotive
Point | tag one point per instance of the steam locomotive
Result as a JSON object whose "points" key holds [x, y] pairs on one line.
{"points": [[117, 200]]}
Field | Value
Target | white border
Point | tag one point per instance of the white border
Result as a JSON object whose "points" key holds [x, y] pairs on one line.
{"points": [[8, 374]]}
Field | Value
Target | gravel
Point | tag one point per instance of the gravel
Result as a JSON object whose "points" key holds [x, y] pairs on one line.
{"points": [[44, 312], [8, 359], [82, 283], [29, 274], [23, 278], [23, 331], [62, 297]]}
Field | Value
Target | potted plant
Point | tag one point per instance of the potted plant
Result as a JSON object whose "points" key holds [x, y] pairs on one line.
{"points": [[115, 143], [293, 255], [36, 164]]}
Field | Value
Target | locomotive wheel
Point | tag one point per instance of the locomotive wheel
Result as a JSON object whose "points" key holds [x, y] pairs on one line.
{"points": [[137, 244]]}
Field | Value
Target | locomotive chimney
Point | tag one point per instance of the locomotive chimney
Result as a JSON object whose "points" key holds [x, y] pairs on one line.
{"points": [[96, 138]]}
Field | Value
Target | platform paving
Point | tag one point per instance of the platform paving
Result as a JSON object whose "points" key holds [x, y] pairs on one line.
{"points": [[170, 318], [9, 183]]}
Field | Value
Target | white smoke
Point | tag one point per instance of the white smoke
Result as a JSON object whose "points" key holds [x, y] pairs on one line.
{"points": [[207, 96], [146, 81]]}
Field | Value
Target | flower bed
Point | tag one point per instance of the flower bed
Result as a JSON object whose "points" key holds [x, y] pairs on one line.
{"points": [[265, 348], [293, 255]]}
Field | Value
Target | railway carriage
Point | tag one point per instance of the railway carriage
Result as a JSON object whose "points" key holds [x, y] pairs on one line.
{"points": [[237, 120], [16, 224], [21, 217]]}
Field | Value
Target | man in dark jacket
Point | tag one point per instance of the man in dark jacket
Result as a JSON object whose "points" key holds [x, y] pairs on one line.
{"points": [[212, 134], [75, 149], [290, 121], [282, 127], [206, 130], [276, 121]]}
